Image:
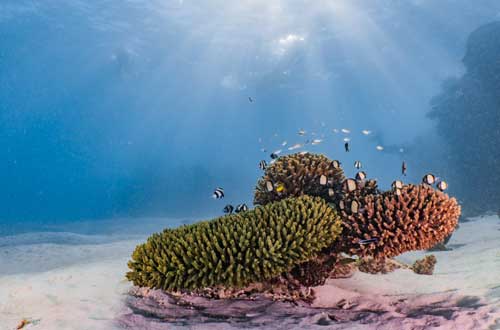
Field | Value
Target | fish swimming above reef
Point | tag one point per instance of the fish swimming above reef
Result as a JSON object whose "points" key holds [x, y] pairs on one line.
{"points": [[263, 165], [269, 186], [302, 132], [336, 164], [335, 130], [357, 164], [350, 185], [241, 208], [296, 146], [366, 132], [280, 187], [284, 143], [398, 184], [228, 209], [442, 185], [218, 193], [316, 142], [379, 148], [429, 179], [403, 168], [368, 241], [323, 180], [345, 131], [360, 176], [347, 147], [250, 99], [275, 154]]}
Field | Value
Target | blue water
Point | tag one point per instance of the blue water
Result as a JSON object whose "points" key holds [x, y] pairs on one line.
{"points": [[119, 118], [141, 108]]}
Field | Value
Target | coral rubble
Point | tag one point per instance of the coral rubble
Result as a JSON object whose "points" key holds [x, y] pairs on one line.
{"points": [[416, 219], [300, 174], [425, 266], [236, 250]]}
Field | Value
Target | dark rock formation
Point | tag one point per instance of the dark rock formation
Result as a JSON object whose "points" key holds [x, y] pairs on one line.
{"points": [[468, 119]]}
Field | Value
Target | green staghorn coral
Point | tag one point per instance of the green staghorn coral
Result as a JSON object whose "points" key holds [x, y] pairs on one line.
{"points": [[236, 250]]}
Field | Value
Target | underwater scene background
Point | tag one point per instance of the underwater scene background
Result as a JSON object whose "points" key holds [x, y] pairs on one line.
{"points": [[119, 119]]}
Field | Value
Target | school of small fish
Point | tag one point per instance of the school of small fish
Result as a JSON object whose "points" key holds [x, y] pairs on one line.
{"points": [[349, 184]]}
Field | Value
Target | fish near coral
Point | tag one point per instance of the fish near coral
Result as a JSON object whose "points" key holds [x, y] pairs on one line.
{"points": [[236, 250], [300, 174], [424, 216]]}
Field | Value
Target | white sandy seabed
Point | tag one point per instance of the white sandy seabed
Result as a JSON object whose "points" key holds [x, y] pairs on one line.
{"points": [[76, 282]]}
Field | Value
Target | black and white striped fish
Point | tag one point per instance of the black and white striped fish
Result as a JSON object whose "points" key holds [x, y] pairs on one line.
{"points": [[218, 193], [360, 176], [442, 185], [241, 208], [429, 179], [357, 164], [263, 165], [228, 209]]}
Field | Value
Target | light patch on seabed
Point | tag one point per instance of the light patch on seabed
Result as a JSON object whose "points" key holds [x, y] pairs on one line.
{"points": [[85, 287]]}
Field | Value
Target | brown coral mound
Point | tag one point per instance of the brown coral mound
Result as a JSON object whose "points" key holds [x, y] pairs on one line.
{"points": [[416, 219], [425, 266], [299, 174]]}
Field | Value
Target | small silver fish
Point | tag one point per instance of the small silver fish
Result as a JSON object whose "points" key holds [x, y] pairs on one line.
{"points": [[345, 131], [316, 141], [366, 132], [368, 241], [284, 143], [302, 132], [379, 148], [296, 146]]}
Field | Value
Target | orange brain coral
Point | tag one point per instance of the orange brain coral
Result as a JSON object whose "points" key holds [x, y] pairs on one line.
{"points": [[417, 219]]}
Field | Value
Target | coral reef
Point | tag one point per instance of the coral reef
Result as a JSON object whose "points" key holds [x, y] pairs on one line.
{"points": [[236, 250], [425, 266], [316, 271], [416, 219], [468, 121], [299, 174]]}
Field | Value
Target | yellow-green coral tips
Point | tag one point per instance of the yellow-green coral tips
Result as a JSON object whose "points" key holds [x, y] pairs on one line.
{"points": [[238, 249]]}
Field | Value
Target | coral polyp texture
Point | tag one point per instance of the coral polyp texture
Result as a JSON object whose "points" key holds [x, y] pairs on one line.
{"points": [[299, 174], [389, 224], [236, 250]]}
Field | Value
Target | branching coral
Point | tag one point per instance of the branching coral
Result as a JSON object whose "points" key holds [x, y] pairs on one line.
{"points": [[236, 250], [388, 224], [299, 174]]}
